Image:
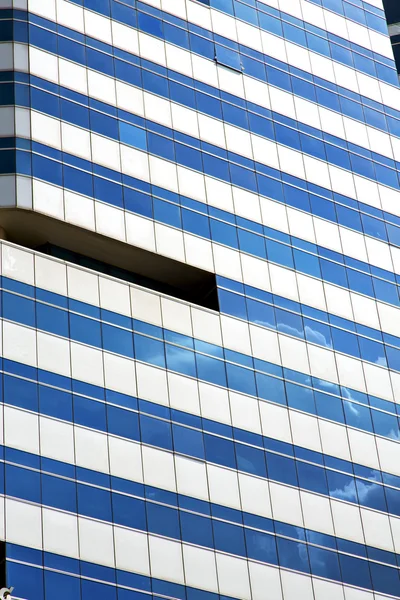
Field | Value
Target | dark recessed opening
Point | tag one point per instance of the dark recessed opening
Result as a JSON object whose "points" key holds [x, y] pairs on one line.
{"points": [[392, 11], [110, 256], [3, 582], [204, 294]]}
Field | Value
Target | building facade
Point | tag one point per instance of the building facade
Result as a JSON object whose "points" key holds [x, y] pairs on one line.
{"points": [[200, 310]]}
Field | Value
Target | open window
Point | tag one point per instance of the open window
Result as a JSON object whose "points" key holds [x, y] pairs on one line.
{"points": [[228, 58]]}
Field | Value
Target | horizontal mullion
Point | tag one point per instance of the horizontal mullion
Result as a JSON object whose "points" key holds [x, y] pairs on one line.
{"points": [[139, 412], [245, 374], [303, 80], [50, 168], [212, 533]]}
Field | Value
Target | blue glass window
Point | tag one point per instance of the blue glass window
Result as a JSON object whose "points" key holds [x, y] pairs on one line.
{"points": [[251, 460], [180, 360], [188, 441], [59, 492], [61, 586], [85, 330], [156, 432], [20, 393], [196, 529], [90, 413], [293, 555], [163, 520], [261, 546], [117, 340], [281, 469], [94, 502], [312, 478], [229, 538], [220, 451], [227, 57], [149, 350]]}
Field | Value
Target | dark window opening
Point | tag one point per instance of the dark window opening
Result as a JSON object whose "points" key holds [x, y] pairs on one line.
{"points": [[3, 582], [204, 294], [110, 256], [392, 12], [228, 58]]}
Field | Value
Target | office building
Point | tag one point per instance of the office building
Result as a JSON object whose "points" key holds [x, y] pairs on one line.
{"points": [[200, 310]]}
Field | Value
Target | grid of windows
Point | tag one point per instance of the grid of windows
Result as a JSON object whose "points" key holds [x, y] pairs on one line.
{"points": [[152, 447]]}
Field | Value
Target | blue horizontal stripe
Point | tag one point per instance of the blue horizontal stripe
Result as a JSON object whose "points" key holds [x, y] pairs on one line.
{"points": [[265, 18], [183, 213], [365, 489], [292, 318], [339, 152], [199, 359], [360, 15], [172, 500], [298, 397], [199, 438], [280, 75], [75, 109], [35, 572], [211, 531], [361, 12]]}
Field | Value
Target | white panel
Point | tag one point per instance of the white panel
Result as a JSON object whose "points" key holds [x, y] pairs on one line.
{"points": [[317, 513], [265, 582], [60, 533], [347, 520], [57, 440], [245, 412], [183, 393], [191, 477], [50, 275], [235, 334], [200, 568], [19, 343], [296, 586], [96, 542], [53, 354], [91, 449], [176, 316], [21, 430], [87, 364], [152, 383], [223, 486], [275, 422], [214, 403], [233, 577], [166, 559], [23, 524], [146, 306], [17, 264], [254, 494], [305, 431], [83, 285], [119, 374], [131, 551], [206, 326], [158, 468], [114, 296], [125, 459], [376, 528], [286, 505]]}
